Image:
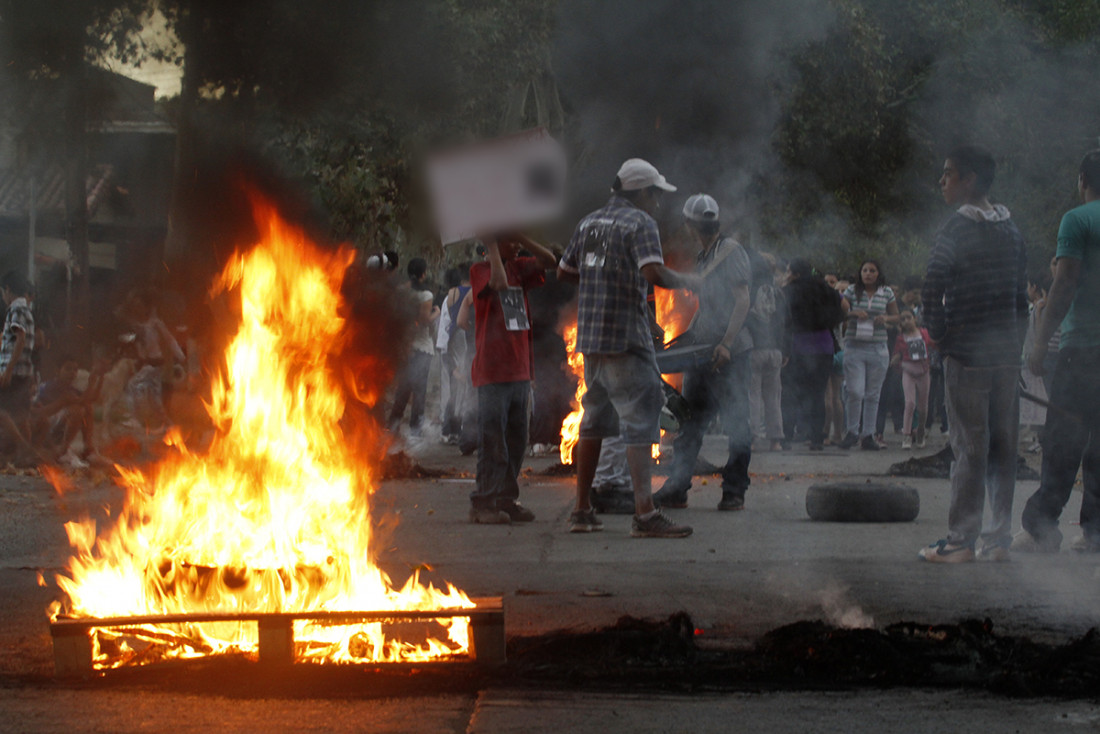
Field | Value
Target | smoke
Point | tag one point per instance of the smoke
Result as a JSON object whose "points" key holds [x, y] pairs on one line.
{"points": [[686, 86], [841, 611]]}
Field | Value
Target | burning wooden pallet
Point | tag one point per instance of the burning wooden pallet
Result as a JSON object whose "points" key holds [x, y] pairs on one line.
{"points": [[72, 640]]}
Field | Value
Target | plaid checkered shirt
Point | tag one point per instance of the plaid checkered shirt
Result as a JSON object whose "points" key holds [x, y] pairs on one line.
{"points": [[608, 251], [19, 318]]}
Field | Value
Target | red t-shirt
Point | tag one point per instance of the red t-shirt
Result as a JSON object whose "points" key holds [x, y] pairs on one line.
{"points": [[503, 322]]}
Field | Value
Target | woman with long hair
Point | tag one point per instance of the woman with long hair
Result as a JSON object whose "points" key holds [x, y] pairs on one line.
{"points": [[869, 305]]}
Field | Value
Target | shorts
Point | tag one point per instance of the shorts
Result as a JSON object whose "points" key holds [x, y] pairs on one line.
{"points": [[624, 398]]}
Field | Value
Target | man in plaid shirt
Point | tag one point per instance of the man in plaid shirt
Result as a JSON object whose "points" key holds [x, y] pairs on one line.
{"points": [[615, 253], [16, 370]]}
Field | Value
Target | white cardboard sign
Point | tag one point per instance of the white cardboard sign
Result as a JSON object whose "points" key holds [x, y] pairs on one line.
{"points": [[497, 185]]}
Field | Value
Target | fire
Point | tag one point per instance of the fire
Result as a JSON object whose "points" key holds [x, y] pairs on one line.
{"points": [[275, 516], [571, 426], [675, 310]]}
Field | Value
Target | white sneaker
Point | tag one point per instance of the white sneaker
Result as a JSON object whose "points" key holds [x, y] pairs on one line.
{"points": [[907, 442], [72, 461]]}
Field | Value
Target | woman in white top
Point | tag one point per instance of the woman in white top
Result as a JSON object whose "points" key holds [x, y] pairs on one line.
{"points": [[870, 306]]}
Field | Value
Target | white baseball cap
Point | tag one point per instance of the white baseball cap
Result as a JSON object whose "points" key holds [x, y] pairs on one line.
{"points": [[636, 174], [701, 208]]}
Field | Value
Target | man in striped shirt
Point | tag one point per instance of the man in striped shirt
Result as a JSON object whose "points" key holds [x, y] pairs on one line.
{"points": [[975, 307]]}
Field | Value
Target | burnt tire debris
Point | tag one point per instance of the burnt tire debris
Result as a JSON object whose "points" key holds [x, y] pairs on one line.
{"points": [[862, 502], [672, 656], [938, 466], [809, 655]]}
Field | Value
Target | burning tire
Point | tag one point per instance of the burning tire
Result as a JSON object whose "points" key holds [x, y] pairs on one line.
{"points": [[855, 502]]}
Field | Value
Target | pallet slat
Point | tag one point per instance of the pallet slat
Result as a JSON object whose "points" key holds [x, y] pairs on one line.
{"points": [[73, 645]]}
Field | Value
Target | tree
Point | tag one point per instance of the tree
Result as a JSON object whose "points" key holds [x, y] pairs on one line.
{"points": [[48, 44]]}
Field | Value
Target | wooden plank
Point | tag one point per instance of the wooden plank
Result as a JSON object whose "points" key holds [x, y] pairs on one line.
{"points": [[72, 655], [73, 643], [276, 641], [485, 606]]}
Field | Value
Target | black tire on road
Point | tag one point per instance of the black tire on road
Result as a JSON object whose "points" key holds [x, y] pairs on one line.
{"points": [[862, 502]]}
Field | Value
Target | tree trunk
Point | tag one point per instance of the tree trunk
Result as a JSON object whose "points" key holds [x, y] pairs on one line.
{"points": [[76, 204], [179, 231]]}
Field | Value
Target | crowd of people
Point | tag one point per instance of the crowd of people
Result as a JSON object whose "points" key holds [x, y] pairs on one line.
{"points": [[783, 354], [790, 354], [55, 409]]}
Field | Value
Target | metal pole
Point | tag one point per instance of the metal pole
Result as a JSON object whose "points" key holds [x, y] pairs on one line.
{"points": [[32, 212]]}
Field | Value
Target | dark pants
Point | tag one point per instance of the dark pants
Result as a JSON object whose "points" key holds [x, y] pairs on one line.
{"points": [[891, 401], [936, 395], [707, 392], [808, 378], [503, 411], [1071, 439], [413, 383]]}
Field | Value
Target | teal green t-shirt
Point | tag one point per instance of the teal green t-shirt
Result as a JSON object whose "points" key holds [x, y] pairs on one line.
{"points": [[1079, 238]]}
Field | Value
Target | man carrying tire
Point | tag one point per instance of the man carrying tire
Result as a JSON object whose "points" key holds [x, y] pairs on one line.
{"points": [[722, 385]]}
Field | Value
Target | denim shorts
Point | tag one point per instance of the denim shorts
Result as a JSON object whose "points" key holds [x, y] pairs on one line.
{"points": [[624, 397]]}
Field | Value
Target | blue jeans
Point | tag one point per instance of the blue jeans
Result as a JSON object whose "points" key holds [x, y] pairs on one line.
{"points": [[983, 407], [413, 383], [1071, 438], [865, 366], [707, 392], [503, 411]]}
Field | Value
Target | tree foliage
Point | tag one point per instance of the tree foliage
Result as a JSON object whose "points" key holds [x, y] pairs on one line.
{"points": [[871, 109]]}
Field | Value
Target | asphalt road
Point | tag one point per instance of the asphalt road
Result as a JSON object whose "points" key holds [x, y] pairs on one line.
{"points": [[738, 576]]}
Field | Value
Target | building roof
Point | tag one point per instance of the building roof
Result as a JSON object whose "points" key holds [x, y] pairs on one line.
{"points": [[49, 190]]}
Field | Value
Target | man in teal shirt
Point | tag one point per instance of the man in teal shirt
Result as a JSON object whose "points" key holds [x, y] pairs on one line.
{"points": [[1072, 435]]}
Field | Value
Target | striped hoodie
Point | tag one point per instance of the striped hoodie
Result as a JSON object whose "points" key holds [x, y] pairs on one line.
{"points": [[975, 290]]}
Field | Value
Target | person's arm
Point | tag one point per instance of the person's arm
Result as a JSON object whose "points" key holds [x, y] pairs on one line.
{"points": [[663, 277], [498, 277], [464, 319], [1067, 278], [542, 254], [168, 341], [891, 315], [721, 355], [568, 276]]}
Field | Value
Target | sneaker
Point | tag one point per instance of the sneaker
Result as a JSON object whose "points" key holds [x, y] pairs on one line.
{"points": [[584, 521], [72, 461], [920, 444], [816, 447], [1025, 542], [869, 444], [943, 552], [907, 442], [489, 516], [1081, 544], [516, 512], [849, 440], [993, 553], [670, 498], [658, 526], [731, 502]]}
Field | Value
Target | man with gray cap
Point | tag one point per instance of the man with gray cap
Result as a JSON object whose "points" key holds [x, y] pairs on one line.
{"points": [[614, 255], [722, 384]]}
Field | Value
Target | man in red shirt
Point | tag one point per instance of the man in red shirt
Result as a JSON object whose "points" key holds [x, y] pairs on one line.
{"points": [[502, 372]]}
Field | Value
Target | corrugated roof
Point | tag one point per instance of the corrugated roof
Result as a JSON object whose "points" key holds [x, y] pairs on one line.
{"points": [[15, 191]]}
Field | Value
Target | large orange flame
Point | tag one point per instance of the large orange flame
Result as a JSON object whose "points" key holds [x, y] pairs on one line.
{"points": [[275, 516]]}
